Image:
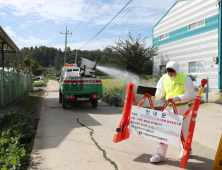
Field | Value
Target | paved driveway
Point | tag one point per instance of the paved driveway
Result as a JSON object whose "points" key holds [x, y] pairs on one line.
{"points": [[62, 143]]}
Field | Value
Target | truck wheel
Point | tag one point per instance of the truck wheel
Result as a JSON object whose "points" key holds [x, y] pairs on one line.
{"points": [[60, 97], [64, 102], [94, 103]]}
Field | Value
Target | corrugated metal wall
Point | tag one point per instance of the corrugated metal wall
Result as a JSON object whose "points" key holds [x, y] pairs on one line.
{"points": [[183, 45]]}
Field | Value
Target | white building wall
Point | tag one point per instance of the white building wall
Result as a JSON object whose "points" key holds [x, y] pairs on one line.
{"points": [[187, 13], [200, 47]]}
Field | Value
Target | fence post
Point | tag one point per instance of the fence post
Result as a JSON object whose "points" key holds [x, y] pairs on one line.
{"points": [[2, 72], [207, 90], [9, 83], [31, 80], [27, 82], [21, 85]]}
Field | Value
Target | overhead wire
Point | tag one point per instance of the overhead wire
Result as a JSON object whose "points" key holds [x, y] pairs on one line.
{"points": [[107, 24], [77, 17], [67, 15], [66, 19], [90, 7], [115, 23], [89, 22], [79, 14]]}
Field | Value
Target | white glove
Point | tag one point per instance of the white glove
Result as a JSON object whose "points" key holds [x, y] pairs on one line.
{"points": [[175, 99]]}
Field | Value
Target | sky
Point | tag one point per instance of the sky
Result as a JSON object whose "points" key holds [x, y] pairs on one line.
{"points": [[40, 22]]}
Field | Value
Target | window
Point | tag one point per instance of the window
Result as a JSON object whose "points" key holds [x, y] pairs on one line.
{"points": [[196, 67], [197, 24], [75, 69], [68, 70], [164, 36]]}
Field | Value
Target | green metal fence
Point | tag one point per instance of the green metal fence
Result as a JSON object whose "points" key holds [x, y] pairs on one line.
{"points": [[13, 86]]}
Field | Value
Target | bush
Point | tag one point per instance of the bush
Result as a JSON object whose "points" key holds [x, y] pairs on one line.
{"points": [[107, 77], [13, 154], [20, 122], [193, 78], [37, 84], [17, 131], [114, 97]]}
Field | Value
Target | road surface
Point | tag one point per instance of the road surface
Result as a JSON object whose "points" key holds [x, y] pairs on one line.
{"points": [[61, 143]]}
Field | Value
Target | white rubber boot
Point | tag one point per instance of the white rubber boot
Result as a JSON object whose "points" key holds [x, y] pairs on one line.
{"points": [[157, 158]]}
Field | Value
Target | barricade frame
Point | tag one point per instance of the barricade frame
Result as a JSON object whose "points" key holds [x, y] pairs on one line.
{"points": [[123, 130]]}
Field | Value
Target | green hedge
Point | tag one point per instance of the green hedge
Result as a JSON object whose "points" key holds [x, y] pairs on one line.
{"points": [[114, 97], [37, 84]]}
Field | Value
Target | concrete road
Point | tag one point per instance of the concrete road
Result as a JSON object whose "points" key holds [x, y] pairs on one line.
{"points": [[61, 143]]}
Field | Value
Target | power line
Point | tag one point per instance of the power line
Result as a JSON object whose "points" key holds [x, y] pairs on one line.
{"points": [[115, 23], [66, 42], [89, 22], [85, 14], [106, 25], [79, 14], [66, 19], [67, 15]]}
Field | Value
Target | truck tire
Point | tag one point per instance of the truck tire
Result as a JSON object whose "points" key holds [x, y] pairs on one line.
{"points": [[60, 97], [94, 103], [64, 102]]}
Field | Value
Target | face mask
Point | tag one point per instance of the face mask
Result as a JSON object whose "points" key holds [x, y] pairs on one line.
{"points": [[171, 78]]}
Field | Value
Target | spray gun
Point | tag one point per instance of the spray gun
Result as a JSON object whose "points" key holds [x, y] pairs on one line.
{"points": [[203, 83]]}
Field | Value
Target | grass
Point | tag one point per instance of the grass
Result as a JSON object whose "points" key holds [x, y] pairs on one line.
{"points": [[46, 80], [108, 84], [28, 104]]}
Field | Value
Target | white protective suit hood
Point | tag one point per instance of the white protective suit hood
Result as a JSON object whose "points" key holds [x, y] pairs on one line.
{"points": [[174, 65]]}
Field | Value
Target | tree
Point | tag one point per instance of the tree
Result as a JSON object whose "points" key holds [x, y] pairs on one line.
{"points": [[132, 54], [38, 71], [27, 63]]}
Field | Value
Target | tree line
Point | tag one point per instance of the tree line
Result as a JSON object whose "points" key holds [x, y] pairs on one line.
{"points": [[131, 54]]}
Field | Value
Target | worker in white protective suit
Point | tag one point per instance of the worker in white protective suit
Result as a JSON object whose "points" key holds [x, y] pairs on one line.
{"points": [[179, 87]]}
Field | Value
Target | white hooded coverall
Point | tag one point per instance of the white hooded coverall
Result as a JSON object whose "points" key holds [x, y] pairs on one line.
{"points": [[189, 94]]}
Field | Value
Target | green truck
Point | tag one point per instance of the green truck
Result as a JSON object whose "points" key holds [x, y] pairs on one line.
{"points": [[78, 83]]}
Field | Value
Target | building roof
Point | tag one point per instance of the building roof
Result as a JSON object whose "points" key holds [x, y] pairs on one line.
{"points": [[9, 45]]}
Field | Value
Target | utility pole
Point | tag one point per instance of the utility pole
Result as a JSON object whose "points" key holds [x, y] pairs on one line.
{"points": [[76, 56], [50, 67], [66, 43], [55, 64]]}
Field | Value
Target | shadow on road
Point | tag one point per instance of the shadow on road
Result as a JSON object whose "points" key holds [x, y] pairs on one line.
{"points": [[203, 163]]}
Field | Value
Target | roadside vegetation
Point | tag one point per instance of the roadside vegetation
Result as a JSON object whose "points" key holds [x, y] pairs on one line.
{"points": [[38, 84], [17, 135], [46, 80], [43, 82], [114, 90]]}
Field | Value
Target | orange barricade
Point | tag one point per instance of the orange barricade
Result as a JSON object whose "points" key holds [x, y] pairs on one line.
{"points": [[187, 145], [123, 131]]}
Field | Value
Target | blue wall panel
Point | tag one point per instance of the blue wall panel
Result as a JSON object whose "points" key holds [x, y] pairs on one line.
{"points": [[211, 23]]}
